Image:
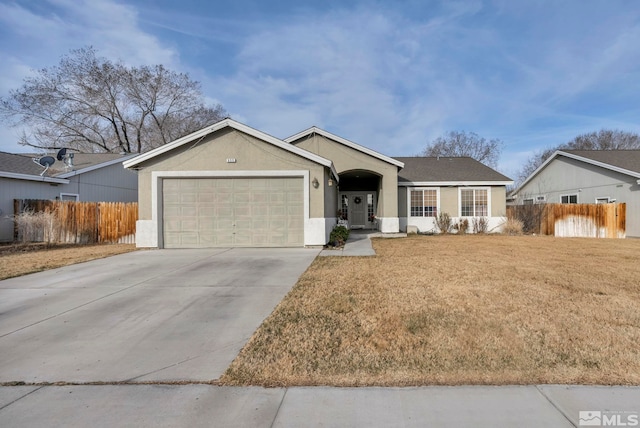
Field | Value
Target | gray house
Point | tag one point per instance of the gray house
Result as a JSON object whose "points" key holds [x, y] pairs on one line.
{"points": [[587, 177], [232, 185], [89, 177]]}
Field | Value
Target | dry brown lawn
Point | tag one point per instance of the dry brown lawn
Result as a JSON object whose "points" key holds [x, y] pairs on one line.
{"points": [[18, 260], [456, 310]]}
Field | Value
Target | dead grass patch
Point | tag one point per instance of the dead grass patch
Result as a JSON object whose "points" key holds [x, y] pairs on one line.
{"points": [[22, 259], [456, 310]]}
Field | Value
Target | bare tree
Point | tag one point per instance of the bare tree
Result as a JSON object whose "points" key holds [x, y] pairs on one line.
{"points": [[94, 105], [605, 139], [457, 143]]}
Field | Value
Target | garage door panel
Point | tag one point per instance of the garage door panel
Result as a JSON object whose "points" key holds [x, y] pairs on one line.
{"points": [[221, 212]]}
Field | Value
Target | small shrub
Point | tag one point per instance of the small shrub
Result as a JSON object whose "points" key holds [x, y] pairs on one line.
{"points": [[529, 215], [339, 236], [36, 226], [512, 226], [480, 224], [462, 226], [444, 223]]}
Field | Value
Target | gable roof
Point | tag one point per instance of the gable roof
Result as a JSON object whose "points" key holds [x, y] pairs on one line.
{"points": [[22, 166], [18, 164], [85, 162], [343, 141], [622, 161], [230, 123], [627, 160], [448, 171]]}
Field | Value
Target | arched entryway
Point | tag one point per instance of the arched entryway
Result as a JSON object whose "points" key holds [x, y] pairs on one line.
{"points": [[358, 198]]}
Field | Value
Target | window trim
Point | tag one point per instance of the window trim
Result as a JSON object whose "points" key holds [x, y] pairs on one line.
{"points": [[411, 189], [460, 189], [568, 195], [603, 198], [524, 201]]}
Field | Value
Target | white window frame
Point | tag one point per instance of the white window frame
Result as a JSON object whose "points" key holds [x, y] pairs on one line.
{"points": [[460, 189], [568, 195], [528, 201], [412, 189], [69, 195], [600, 200]]}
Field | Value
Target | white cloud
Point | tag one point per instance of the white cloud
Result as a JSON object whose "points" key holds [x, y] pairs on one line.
{"points": [[384, 76], [43, 37], [344, 70]]}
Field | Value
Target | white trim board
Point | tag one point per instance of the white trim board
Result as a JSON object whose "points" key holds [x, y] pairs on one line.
{"points": [[30, 177]]}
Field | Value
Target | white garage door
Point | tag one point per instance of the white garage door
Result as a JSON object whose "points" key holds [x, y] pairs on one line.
{"points": [[233, 212]]}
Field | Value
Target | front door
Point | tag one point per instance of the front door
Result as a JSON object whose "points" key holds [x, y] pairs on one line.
{"points": [[358, 211]]}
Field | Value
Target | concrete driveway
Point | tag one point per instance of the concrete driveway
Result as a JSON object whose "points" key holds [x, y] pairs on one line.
{"points": [[157, 315]]}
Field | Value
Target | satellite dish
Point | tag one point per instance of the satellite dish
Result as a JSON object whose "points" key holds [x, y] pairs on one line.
{"points": [[46, 161], [61, 154]]}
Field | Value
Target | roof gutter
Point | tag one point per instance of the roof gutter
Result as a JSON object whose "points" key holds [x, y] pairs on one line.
{"points": [[29, 177]]}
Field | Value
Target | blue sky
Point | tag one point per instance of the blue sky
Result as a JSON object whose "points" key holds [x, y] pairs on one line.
{"points": [[390, 75]]}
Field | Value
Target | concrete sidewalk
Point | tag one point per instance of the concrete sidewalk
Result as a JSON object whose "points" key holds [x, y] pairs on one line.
{"points": [[206, 406], [359, 243]]}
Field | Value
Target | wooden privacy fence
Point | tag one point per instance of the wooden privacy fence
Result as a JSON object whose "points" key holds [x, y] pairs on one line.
{"points": [[75, 222], [572, 220]]}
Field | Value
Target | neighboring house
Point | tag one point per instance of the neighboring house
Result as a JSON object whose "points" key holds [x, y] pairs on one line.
{"points": [[93, 177], [586, 177], [232, 185]]}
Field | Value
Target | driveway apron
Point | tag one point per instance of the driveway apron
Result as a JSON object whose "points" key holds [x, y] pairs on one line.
{"points": [[156, 315]]}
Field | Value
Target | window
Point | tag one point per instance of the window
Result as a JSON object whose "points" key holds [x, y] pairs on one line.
{"points": [[424, 203], [69, 197], [344, 207], [602, 200], [528, 202], [371, 215], [474, 202], [569, 199]]}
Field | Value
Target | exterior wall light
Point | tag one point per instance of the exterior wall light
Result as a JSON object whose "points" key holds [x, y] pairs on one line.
{"points": [[330, 182], [315, 183]]}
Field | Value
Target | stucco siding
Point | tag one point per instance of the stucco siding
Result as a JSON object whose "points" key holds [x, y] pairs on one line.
{"points": [[402, 202], [449, 201], [230, 150], [330, 195], [348, 159], [498, 201]]}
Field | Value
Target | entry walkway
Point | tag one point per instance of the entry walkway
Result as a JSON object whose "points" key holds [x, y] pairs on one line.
{"points": [[359, 243]]}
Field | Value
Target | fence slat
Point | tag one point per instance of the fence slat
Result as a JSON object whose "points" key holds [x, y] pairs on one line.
{"points": [[84, 222], [572, 220]]}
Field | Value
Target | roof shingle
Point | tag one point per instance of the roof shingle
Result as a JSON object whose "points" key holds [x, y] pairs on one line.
{"points": [[446, 169], [24, 164], [626, 159]]}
